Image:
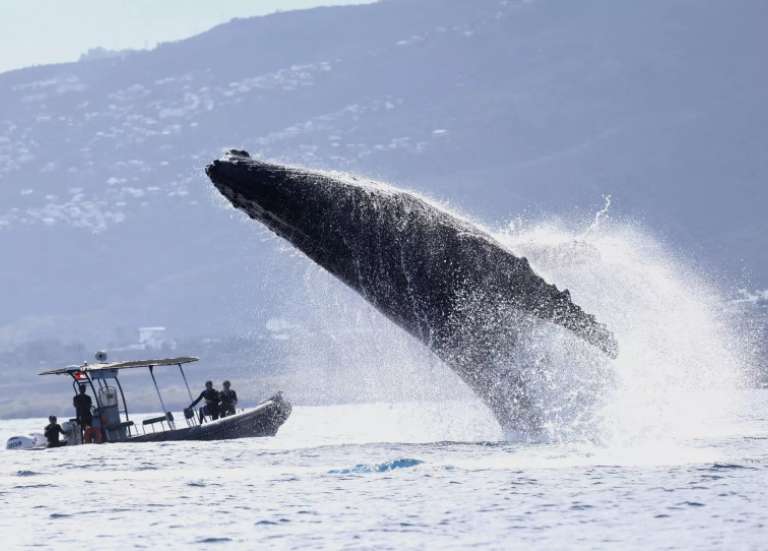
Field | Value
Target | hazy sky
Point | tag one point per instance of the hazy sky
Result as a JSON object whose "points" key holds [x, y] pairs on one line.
{"points": [[34, 32]]}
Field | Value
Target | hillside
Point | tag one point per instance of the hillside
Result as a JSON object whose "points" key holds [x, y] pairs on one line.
{"points": [[502, 108]]}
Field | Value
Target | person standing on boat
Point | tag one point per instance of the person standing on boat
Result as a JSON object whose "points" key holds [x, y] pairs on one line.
{"points": [[211, 397], [228, 399], [52, 432], [83, 403]]}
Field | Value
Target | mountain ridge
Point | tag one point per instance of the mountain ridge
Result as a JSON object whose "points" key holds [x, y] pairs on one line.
{"points": [[500, 108]]}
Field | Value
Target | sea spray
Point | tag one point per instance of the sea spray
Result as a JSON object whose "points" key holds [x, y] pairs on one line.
{"points": [[682, 354]]}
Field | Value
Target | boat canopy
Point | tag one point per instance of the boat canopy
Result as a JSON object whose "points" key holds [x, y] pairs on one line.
{"points": [[86, 367]]}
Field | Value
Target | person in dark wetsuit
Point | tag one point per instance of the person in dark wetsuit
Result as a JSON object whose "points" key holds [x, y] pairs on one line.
{"points": [[228, 399], [211, 397], [52, 432], [82, 403]]}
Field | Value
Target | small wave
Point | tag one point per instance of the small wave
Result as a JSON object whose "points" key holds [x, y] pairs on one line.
{"points": [[729, 467], [27, 473], [201, 484], [692, 503], [32, 486], [379, 467], [213, 540]]}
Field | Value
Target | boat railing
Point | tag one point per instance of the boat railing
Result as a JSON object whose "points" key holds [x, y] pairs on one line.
{"points": [[191, 418], [166, 422]]}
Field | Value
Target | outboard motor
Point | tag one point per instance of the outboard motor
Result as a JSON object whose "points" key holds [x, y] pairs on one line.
{"points": [[72, 432]]}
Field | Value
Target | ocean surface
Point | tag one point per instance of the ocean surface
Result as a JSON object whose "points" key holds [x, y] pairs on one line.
{"points": [[415, 475]]}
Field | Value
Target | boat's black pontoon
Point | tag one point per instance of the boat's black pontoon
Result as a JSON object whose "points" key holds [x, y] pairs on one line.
{"points": [[112, 423]]}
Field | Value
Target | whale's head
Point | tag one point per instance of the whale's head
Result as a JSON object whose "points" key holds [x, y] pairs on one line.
{"points": [[277, 196], [326, 218]]}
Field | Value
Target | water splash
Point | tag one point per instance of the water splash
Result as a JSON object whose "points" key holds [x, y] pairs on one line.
{"points": [[599, 215], [681, 351], [403, 463]]}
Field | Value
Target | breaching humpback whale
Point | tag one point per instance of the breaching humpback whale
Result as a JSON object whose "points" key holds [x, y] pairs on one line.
{"points": [[442, 279]]}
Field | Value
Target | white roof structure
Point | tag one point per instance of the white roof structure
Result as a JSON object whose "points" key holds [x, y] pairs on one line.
{"points": [[119, 365]]}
